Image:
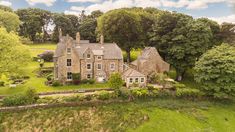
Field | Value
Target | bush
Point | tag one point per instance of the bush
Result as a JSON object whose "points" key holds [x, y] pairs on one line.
{"points": [[88, 97], [47, 56], [140, 93], [104, 95], [115, 81], [49, 77], [158, 78], [76, 98], [76, 78], [29, 97], [56, 84], [188, 92], [86, 81], [215, 71], [179, 86], [2, 83]]}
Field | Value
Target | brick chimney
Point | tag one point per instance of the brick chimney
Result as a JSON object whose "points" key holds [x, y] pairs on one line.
{"points": [[78, 37]]}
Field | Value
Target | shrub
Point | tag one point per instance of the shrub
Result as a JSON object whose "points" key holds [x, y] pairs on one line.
{"points": [[76, 78], [76, 98], [47, 56], [49, 77], [104, 95], [124, 93], [115, 81], [166, 93], [215, 71], [157, 78], [179, 86], [140, 92], [56, 84], [88, 97], [86, 81], [188, 92], [29, 97], [2, 83]]}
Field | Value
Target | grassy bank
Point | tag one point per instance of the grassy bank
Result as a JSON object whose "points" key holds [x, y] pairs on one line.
{"points": [[149, 115]]}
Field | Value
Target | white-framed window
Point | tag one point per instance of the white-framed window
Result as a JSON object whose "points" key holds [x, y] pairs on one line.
{"points": [[88, 56], [99, 57], [69, 62], [142, 79], [88, 76], [68, 50], [112, 66], [136, 80], [88, 66], [131, 80], [99, 66], [69, 76]]}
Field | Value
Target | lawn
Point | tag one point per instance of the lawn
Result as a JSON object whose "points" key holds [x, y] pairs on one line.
{"points": [[162, 115], [39, 83]]}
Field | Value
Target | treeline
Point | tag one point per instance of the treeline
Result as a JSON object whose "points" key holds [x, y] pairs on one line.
{"points": [[40, 25]]}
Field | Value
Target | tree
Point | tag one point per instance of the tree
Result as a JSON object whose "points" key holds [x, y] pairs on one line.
{"points": [[123, 27], [9, 20], [6, 8], [34, 21], [181, 40], [67, 23], [215, 71], [115, 81], [88, 26], [13, 54]]}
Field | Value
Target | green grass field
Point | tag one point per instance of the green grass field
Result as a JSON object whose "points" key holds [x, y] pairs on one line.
{"points": [[163, 115]]}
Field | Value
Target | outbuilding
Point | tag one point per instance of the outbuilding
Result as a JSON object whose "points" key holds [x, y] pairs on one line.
{"points": [[134, 78]]}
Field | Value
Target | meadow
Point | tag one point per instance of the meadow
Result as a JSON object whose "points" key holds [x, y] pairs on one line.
{"points": [[148, 115]]}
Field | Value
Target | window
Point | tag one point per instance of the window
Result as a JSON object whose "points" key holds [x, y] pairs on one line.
{"points": [[88, 66], [68, 50], [136, 80], [99, 66], [131, 80], [142, 80], [88, 76], [99, 57], [88, 56], [112, 66], [69, 62], [69, 75]]}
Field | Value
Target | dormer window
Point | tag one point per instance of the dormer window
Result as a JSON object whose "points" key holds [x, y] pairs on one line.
{"points": [[88, 56], [68, 50]]}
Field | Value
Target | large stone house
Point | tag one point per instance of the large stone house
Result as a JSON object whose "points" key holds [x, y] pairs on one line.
{"points": [[92, 60]]}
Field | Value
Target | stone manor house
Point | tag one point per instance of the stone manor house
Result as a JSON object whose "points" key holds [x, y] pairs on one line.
{"points": [[99, 60]]}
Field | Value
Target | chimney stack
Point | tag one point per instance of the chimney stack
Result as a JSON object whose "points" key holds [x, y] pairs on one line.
{"points": [[60, 33], [101, 39], [78, 37]]}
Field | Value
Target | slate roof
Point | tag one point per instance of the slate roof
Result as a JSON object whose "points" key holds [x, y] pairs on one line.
{"points": [[132, 73], [108, 50]]}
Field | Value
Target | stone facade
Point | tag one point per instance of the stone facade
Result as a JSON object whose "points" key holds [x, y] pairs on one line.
{"points": [[92, 60], [150, 61]]}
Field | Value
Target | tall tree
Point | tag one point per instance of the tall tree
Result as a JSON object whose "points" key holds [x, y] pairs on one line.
{"points": [[88, 26], [9, 20], [123, 27], [181, 40], [34, 21], [13, 54], [6, 8]]}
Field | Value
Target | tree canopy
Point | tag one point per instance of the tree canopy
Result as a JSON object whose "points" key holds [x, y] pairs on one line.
{"points": [[215, 71], [9, 20], [13, 54], [123, 27]]}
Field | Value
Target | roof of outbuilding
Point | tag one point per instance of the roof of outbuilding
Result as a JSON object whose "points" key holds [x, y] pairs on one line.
{"points": [[132, 73]]}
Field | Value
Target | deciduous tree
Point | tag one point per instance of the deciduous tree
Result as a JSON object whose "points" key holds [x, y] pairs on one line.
{"points": [[9, 20], [215, 70]]}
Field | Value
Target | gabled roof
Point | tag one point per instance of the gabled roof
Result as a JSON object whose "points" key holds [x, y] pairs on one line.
{"points": [[132, 73], [108, 50]]}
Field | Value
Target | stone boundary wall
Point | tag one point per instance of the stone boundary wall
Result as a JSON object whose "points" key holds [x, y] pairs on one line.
{"points": [[71, 104], [70, 91]]}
